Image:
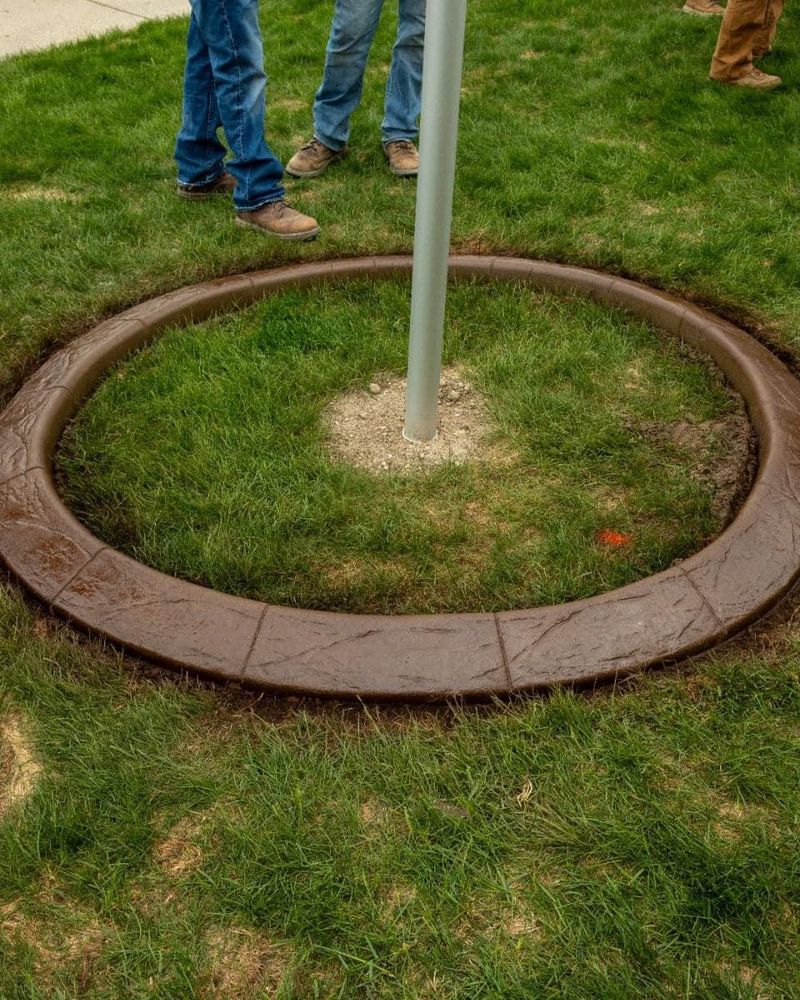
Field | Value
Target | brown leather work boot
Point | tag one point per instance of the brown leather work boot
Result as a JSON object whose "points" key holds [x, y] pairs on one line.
{"points": [[704, 8], [224, 184], [403, 157], [279, 220], [756, 79], [313, 159]]}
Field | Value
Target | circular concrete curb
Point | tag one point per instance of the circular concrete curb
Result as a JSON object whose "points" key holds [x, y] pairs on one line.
{"points": [[683, 610]]}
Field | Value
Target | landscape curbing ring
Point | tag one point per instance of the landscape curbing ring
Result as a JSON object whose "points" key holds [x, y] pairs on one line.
{"points": [[686, 609]]}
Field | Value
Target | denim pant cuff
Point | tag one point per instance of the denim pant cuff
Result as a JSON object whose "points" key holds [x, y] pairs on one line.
{"points": [[262, 204], [210, 179], [397, 137], [337, 147]]}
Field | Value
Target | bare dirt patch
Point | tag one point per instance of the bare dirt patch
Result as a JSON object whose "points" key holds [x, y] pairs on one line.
{"points": [[734, 817], [63, 936], [373, 813], [723, 453], [19, 768], [751, 978], [504, 915], [397, 899], [519, 924], [178, 853], [379, 819], [244, 964], [366, 428]]}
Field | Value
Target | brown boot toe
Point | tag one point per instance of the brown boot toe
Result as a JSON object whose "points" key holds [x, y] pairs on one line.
{"points": [[313, 159], [704, 8], [403, 157], [277, 219], [755, 79]]}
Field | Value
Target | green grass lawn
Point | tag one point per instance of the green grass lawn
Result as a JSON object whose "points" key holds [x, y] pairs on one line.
{"points": [[168, 840], [241, 493]]}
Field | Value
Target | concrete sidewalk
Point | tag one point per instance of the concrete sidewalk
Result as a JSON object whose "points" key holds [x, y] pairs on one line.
{"points": [[36, 24]]}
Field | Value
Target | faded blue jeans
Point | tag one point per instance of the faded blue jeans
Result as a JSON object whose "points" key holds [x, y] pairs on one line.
{"points": [[225, 86], [354, 25]]}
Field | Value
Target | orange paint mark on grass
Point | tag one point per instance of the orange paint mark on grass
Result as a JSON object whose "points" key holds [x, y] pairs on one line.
{"points": [[616, 539]]}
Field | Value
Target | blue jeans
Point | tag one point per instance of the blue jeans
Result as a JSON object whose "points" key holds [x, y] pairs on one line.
{"points": [[354, 25], [225, 86]]}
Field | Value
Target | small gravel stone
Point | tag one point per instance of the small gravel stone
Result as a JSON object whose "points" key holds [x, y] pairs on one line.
{"points": [[375, 388]]}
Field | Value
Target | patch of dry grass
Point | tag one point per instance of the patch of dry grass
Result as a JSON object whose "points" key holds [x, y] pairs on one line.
{"points": [[19, 767], [244, 964], [63, 938], [39, 193]]}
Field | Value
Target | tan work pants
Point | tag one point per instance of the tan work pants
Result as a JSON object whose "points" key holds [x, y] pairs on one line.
{"points": [[748, 30]]}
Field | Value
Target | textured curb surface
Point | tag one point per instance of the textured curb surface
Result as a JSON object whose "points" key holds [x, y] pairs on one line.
{"points": [[684, 610]]}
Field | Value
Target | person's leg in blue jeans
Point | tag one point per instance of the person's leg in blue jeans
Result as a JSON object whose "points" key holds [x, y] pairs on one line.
{"points": [[352, 32], [404, 86], [225, 84], [199, 153], [225, 72], [354, 25]]}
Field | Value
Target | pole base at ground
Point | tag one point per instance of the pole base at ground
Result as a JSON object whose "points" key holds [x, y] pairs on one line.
{"points": [[413, 440]]}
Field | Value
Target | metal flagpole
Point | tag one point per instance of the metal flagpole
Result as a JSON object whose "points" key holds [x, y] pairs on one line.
{"points": [[445, 28]]}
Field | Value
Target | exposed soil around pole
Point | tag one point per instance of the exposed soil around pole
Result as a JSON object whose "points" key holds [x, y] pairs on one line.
{"points": [[366, 428]]}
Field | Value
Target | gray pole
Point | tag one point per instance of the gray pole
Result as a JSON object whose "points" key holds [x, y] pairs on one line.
{"points": [[441, 94]]}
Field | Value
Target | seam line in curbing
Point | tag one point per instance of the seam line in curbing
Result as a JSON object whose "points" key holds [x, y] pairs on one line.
{"points": [[256, 636], [503, 651], [75, 576], [706, 604]]}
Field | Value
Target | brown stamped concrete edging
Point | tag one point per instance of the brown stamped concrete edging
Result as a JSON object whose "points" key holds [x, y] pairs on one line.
{"points": [[684, 610]]}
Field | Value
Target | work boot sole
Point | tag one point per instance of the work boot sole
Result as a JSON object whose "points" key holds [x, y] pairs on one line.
{"points": [[702, 13], [403, 173], [747, 86], [302, 175], [312, 234]]}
